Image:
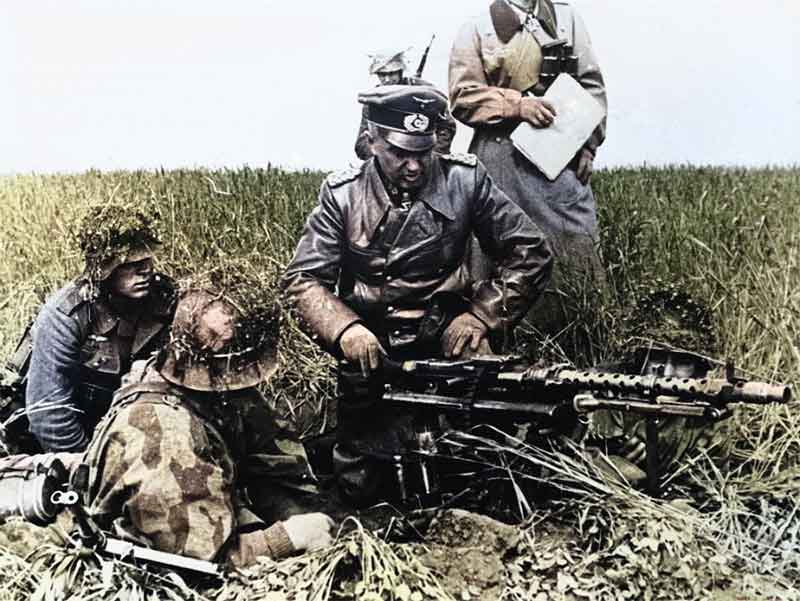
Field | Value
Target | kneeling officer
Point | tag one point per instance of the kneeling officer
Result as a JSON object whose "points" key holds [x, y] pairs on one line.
{"points": [[379, 269]]}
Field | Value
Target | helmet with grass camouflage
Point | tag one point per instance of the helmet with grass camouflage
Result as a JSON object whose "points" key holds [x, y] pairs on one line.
{"points": [[388, 62], [666, 313], [222, 338], [116, 233]]}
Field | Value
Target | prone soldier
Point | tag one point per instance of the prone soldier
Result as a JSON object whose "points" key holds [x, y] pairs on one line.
{"points": [[188, 449]]}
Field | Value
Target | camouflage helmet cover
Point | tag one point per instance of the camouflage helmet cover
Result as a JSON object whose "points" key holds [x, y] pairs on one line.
{"points": [[117, 233], [665, 314], [388, 62], [214, 346]]}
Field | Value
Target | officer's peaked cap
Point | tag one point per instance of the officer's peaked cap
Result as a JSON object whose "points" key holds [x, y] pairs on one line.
{"points": [[409, 114]]}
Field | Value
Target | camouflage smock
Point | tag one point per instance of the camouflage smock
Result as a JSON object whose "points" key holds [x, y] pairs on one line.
{"points": [[172, 468]]}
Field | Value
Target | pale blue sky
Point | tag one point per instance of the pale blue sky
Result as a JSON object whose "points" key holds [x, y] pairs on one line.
{"points": [[147, 83]]}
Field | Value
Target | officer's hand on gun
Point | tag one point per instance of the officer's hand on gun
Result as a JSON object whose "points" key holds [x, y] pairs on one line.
{"points": [[361, 347], [464, 337], [309, 531]]}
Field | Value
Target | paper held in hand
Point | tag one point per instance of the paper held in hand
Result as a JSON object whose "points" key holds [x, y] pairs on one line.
{"points": [[552, 148]]}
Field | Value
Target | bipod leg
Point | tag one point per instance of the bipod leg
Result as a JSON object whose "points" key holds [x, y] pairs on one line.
{"points": [[653, 469]]}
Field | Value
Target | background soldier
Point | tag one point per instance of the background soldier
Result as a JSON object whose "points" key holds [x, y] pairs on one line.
{"points": [[499, 66], [189, 441], [380, 265], [88, 334], [390, 69]]}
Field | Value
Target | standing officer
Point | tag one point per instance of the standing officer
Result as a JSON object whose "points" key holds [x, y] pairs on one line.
{"points": [[500, 65], [390, 69], [90, 331], [380, 267]]}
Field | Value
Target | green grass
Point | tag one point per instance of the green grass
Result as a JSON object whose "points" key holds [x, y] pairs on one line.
{"points": [[727, 237]]}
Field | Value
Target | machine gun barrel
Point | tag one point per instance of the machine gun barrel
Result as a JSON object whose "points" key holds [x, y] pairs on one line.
{"points": [[713, 390], [555, 399]]}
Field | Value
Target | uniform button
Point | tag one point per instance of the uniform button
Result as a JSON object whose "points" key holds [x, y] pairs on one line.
{"points": [[397, 332], [388, 278], [390, 309], [498, 139]]}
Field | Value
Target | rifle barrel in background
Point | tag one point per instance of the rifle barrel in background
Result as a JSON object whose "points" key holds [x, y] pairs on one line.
{"points": [[424, 59]]}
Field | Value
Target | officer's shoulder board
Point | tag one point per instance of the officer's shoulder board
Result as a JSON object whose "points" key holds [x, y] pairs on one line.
{"points": [[461, 158], [342, 177], [565, 21]]}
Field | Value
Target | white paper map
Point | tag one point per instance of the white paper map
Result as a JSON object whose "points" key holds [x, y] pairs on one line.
{"points": [[552, 148]]}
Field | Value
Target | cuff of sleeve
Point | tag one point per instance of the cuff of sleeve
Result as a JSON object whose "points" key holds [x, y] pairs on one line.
{"points": [[483, 317], [278, 541], [336, 347], [273, 543], [513, 104], [594, 142]]}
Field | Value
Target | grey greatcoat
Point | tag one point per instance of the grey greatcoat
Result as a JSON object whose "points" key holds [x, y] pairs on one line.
{"points": [[485, 94]]}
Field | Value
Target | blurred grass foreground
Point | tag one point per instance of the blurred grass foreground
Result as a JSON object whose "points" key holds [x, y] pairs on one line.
{"points": [[729, 238]]}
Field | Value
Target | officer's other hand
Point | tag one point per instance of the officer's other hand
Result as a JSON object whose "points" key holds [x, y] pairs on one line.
{"points": [[309, 531], [361, 346], [483, 349], [537, 111], [465, 332], [584, 166]]}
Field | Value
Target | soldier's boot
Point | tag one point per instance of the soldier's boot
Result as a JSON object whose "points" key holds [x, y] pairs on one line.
{"points": [[28, 492]]}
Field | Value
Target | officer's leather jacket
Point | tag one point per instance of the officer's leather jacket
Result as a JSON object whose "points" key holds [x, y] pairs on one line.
{"points": [[80, 353], [362, 259]]}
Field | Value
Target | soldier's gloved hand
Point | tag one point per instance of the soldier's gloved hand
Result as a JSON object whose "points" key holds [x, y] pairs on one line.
{"points": [[465, 332], [537, 111], [584, 165], [361, 346], [309, 531], [634, 449]]}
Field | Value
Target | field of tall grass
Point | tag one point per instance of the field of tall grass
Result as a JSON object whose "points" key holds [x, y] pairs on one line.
{"points": [[729, 238]]}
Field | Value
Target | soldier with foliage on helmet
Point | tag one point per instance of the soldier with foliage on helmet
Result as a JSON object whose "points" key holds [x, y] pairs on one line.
{"points": [[89, 333], [187, 461], [390, 69], [380, 268]]}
